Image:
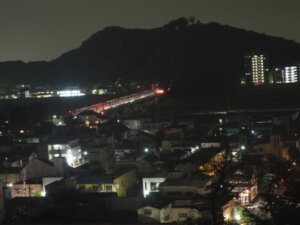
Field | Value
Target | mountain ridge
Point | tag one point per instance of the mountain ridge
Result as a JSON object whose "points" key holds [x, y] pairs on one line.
{"points": [[190, 55]]}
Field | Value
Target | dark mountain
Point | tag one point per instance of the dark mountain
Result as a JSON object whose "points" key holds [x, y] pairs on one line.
{"points": [[193, 56]]}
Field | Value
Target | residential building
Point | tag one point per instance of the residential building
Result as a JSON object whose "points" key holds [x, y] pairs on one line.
{"points": [[68, 148], [151, 183], [122, 183], [39, 168], [185, 187], [168, 212], [290, 74], [27, 188], [255, 69]]}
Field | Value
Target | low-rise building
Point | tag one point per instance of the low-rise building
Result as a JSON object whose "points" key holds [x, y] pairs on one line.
{"points": [[167, 212], [151, 183], [68, 148], [122, 183], [27, 188]]}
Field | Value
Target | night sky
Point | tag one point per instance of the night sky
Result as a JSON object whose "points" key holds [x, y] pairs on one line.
{"points": [[44, 29]]}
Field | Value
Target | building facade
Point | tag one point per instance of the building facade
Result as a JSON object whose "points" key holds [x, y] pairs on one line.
{"points": [[255, 69], [290, 74]]}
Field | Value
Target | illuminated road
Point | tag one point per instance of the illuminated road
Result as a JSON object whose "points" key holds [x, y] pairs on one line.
{"points": [[110, 104]]}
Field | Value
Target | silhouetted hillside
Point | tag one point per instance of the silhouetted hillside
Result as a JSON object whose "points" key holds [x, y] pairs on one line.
{"points": [[191, 56]]}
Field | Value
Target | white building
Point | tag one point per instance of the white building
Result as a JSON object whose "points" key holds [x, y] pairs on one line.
{"points": [[290, 74], [151, 184], [256, 68], [70, 93], [67, 148], [167, 213]]}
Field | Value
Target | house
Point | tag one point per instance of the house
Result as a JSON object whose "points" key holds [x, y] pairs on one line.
{"points": [[66, 147], [270, 145], [134, 124], [122, 182], [199, 158], [27, 188], [39, 168], [125, 152], [151, 163], [153, 213], [151, 183], [167, 212], [188, 186]]}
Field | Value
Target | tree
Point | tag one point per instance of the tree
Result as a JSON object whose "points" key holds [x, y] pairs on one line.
{"points": [[281, 196], [229, 179]]}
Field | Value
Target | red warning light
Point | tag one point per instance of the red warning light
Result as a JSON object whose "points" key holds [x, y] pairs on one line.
{"points": [[159, 91], [70, 112], [281, 180]]}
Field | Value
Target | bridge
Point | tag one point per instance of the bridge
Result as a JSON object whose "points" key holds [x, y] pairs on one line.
{"points": [[110, 104]]}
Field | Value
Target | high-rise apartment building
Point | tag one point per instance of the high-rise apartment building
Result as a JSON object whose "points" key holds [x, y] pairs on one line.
{"points": [[255, 68], [290, 74]]}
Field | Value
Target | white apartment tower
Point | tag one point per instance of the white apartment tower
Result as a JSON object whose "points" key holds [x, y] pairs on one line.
{"points": [[256, 69], [290, 74]]}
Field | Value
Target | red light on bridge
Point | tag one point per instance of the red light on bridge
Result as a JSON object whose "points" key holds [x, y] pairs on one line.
{"points": [[159, 91], [70, 112]]}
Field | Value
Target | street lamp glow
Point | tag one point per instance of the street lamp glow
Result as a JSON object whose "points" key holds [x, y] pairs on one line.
{"points": [[243, 147], [146, 150], [237, 216]]}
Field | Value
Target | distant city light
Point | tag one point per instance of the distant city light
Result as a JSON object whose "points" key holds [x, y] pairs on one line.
{"points": [[22, 131], [43, 193], [54, 116], [220, 121], [9, 185], [146, 149], [252, 131], [243, 147], [118, 120], [70, 93], [85, 153], [159, 91]]}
